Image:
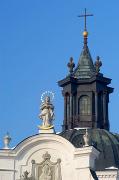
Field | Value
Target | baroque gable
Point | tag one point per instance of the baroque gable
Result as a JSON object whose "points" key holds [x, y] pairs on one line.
{"points": [[47, 156]]}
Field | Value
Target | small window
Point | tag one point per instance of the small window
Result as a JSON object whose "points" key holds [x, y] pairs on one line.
{"points": [[84, 105]]}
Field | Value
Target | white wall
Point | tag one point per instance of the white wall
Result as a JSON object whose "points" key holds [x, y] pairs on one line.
{"points": [[75, 162]]}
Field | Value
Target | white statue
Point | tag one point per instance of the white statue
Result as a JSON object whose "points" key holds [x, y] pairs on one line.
{"points": [[46, 173], [47, 113], [86, 138]]}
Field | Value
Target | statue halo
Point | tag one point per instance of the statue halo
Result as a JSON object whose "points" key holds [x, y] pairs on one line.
{"points": [[49, 94]]}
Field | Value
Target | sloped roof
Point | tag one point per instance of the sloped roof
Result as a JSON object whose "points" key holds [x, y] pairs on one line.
{"points": [[85, 67]]}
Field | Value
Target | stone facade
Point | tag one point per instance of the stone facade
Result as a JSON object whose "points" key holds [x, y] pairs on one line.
{"points": [[64, 160]]}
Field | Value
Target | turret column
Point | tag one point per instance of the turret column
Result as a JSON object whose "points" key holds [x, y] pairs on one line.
{"points": [[105, 111], [96, 110], [71, 111], [65, 114]]}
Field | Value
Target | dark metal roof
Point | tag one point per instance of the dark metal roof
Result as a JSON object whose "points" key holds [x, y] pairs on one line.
{"points": [[106, 142], [85, 68]]}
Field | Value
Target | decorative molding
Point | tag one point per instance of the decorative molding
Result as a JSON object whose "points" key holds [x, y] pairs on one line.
{"points": [[108, 176]]}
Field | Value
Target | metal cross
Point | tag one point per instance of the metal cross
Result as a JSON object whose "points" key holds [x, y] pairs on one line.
{"points": [[85, 18]]}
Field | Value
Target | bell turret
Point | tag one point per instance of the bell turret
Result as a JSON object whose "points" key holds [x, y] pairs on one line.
{"points": [[86, 92]]}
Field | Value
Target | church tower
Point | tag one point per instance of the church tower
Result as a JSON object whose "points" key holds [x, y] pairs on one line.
{"points": [[85, 149], [86, 92]]}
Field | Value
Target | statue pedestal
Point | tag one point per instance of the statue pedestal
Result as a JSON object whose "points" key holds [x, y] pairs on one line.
{"points": [[47, 131]]}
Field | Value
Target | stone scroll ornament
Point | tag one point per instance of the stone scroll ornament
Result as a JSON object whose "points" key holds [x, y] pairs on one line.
{"points": [[47, 110]]}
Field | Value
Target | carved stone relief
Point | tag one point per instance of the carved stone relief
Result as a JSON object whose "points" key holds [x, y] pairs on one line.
{"points": [[46, 170]]}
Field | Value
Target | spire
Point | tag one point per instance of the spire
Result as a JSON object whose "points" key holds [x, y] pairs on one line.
{"points": [[85, 67], [85, 33]]}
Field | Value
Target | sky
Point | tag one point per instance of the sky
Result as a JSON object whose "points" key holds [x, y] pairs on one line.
{"points": [[37, 38]]}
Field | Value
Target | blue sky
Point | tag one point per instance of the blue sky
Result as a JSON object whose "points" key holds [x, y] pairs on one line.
{"points": [[37, 39]]}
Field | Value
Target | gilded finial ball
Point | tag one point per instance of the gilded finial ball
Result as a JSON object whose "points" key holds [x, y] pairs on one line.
{"points": [[85, 33]]}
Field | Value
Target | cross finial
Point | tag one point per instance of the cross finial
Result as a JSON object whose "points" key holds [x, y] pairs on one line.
{"points": [[85, 15]]}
